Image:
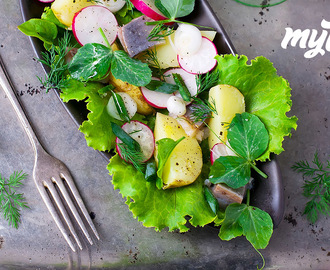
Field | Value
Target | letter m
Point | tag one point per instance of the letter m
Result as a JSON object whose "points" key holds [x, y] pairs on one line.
{"points": [[295, 36]]}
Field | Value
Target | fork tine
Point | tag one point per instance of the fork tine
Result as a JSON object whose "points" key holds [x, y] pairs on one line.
{"points": [[55, 216], [64, 213], [73, 209], [67, 177]]}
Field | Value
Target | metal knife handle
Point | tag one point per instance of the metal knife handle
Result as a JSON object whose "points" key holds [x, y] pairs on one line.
{"points": [[7, 86]]}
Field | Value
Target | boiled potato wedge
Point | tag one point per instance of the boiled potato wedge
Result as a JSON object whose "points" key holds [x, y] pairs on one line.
{"points": [[228, 101], [64, 10], [120, 86], [185, 162]]}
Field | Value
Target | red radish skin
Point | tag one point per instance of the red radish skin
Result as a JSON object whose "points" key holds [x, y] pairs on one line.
{"points": [[149, 9], [201, 62], [144, 137], [155, 99], [87, 21]]}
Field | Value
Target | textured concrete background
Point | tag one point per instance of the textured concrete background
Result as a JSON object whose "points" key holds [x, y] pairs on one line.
{"points": [[125, 243]]}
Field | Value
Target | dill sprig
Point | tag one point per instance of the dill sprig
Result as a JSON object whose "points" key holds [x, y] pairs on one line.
{"points": [[202, 109], [151, 59], [132, 156], [10, 201], [159, 32], [55, 60], [207, 81], [316, 187]]}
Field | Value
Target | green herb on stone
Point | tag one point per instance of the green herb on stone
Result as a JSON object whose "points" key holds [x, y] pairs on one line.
{"points": [[316, 187], [10, 201]]}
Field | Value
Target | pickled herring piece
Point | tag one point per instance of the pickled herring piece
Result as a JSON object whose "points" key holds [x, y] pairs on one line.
{"points": [[134, 36]]}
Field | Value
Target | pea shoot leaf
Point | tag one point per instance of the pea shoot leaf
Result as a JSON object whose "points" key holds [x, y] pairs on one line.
{"points": [[240, 219], [130, 70], [249, 138], [175, 8], [234, 171], [266, 95], [91, 62]]}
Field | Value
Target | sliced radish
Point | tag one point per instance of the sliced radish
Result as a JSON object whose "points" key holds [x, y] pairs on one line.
{"points": [[220, 150], [201, 62], [112, 5], [143, 135], [176, 106], [129, 103], [148, 8], [155, 99], [188, 78], [187, 39], [87, 21]]}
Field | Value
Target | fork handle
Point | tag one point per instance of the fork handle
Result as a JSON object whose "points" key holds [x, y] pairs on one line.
{"points": [[9, 89]]}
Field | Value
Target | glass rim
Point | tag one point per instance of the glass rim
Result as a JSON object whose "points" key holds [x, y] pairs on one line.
{"points": [[260, 5]]}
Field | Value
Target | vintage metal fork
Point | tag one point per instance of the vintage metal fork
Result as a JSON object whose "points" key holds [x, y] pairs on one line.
{"points": [[50, 176]]}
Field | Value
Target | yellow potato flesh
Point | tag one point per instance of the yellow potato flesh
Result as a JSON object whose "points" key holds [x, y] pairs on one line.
{"points": [[185, 162], [228, 101], [64, 10]]}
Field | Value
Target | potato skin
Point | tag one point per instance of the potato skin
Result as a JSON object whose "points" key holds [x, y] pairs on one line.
{"points": [[185, 162], [120, 86]]}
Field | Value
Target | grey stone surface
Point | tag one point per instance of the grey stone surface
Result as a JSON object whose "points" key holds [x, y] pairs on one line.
{"points": [[125, 243]]}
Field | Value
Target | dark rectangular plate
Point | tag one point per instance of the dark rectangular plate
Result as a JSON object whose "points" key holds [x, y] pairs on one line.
{"points": [[267, 194]]}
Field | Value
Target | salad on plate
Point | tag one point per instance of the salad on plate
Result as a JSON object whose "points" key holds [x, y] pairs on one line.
{"points": [[185, 123]]}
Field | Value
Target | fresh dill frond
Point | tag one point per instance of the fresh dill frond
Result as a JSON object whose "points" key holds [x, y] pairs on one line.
{"points": [[316, 187], [55, 60], [207, 81], [151, 59], [10, 200], [132, 156], [159, 32], [202, 109]]}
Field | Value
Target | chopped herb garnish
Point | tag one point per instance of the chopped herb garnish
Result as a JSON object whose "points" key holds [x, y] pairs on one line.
{"points": [[159, 32], [202, 110], [55, 60], [125, 138], [120, 106], [207, 81], [183, 90], [132, 156]]}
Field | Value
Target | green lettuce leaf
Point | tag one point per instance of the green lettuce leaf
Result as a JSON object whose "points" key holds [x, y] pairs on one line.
{"points": [[97, 128], [160, 208], [267, 95]]}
